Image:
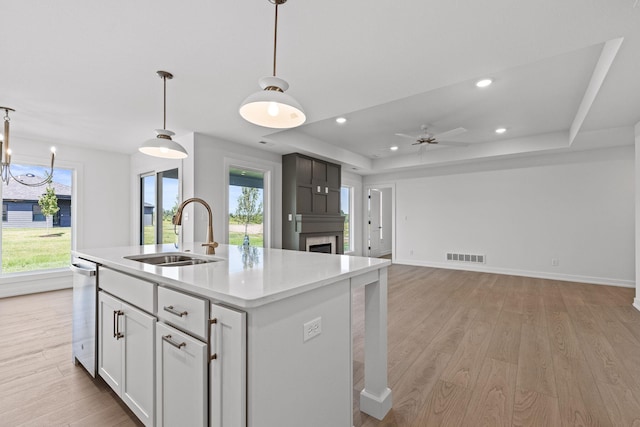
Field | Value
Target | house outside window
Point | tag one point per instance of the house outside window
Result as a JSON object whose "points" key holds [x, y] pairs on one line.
{"points": [[5, 211]]}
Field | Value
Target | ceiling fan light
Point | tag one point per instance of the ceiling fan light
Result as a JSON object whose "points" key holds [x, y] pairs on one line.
{"points": [[271, 107], [163, 146]]}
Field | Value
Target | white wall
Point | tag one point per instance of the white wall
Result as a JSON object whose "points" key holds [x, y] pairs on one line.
{"points": [[209, 171], [576, 207], [100, 218], [636, 302]]}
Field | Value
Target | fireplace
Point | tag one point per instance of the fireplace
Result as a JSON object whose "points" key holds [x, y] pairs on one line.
{"points": [[322, 244]]}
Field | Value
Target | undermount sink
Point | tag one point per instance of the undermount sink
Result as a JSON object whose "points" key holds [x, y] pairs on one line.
{"points": [[171, 259]]}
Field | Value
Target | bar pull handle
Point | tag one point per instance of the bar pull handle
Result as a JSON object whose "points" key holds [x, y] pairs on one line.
{"points": [[173, 311], [213, 337], [116, 325], [177, 345]]}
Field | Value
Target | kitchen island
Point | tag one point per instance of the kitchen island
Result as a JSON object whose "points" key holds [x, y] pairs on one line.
{"points": [[286, 361]]}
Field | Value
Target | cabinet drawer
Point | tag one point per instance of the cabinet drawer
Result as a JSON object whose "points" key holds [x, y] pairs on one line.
{"points": [[184, 311], [128, 288]]}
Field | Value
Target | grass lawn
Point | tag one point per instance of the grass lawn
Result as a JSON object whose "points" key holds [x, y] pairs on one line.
{"points": [[168, 235], [25, 249], [237, 238]]}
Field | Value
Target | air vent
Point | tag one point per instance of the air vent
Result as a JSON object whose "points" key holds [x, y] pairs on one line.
{"points": [[474, 258]]}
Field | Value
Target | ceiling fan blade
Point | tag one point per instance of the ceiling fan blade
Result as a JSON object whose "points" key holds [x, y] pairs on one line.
{"points": [[419, 143], [454, 144], [404, 135], [450, 133]]}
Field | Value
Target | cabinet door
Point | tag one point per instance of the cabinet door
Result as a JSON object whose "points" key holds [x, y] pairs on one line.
{"points": [[333, 202], [319, 172], [229, 368], [138, 351], [109, 343], [333, 176], [181, 375]]}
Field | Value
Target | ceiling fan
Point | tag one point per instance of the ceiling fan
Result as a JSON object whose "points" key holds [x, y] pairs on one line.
{"points": [[436, 139]]}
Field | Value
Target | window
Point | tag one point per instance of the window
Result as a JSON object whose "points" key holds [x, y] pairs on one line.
{"points": [[346, 206], [31, 240], [246, 206], [161, 190], [36, 213]]}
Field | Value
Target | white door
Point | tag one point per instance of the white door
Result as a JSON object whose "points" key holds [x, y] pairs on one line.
{"points": [[109, 341], [138, 329], [181, 366], [374, 223]]}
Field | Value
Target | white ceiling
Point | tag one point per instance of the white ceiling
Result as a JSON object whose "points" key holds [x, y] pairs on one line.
{"points": [[83, 73]]}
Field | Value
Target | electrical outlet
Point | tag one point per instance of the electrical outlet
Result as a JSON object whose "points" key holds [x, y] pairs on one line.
{"points": [[312, 328], [555, 262]]}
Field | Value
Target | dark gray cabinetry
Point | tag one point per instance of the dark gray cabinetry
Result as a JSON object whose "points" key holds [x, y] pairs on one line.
{"points": [[311, 193]]}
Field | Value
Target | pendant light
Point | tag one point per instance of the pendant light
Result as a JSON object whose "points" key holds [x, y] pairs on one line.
{"points": [[162, 145], [271, 107]]}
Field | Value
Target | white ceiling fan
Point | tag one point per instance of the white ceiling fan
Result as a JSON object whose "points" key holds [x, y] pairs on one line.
{"points": [[441, 138]]}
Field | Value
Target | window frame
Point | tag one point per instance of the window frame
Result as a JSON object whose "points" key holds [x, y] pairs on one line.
{"points": [[18, 283], [272, 202], [351, 190]]}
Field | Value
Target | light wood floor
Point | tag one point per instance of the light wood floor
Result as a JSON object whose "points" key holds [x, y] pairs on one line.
{"points": [[478, 349], [464, 349]]}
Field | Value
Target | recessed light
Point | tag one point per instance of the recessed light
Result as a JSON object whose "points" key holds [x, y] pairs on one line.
{"points": [[484, 82], [341, 120], [501, 130], [394, 148]]}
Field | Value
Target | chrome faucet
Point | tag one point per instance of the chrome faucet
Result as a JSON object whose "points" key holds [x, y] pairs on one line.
{"points": [[177, 220]]}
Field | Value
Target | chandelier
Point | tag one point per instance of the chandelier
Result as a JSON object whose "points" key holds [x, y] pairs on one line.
{"points": [[5, 157]]}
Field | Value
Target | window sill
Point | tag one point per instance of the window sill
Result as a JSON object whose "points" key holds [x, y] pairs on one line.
{"points": [[32, 282]]}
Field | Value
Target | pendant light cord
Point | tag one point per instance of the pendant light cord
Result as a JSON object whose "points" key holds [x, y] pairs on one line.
{"points": [[275, 40], [164, 109]]}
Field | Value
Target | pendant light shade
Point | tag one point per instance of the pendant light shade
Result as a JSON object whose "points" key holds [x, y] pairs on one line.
{"points": [[271, 107], [162, 145]]}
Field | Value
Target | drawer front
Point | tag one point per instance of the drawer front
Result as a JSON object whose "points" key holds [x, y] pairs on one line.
{"points": [[188, 313], [135, 291]]}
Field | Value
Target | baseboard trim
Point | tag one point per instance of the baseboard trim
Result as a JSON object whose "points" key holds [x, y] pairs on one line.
{"points": [[636, 303], [34, 283], [526, 273]]}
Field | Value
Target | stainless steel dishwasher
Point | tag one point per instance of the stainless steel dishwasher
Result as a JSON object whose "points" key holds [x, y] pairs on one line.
{"points": [[85, 296]]}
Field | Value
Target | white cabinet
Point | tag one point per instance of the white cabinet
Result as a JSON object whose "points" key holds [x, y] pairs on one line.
{"points": [[126, 354], [181, 367], [228, 370]]}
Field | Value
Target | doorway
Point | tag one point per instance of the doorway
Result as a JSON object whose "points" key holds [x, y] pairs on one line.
{"points": [[380, 221]]}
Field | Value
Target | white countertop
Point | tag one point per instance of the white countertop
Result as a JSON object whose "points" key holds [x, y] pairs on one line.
{"points": [[243, 277]]}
